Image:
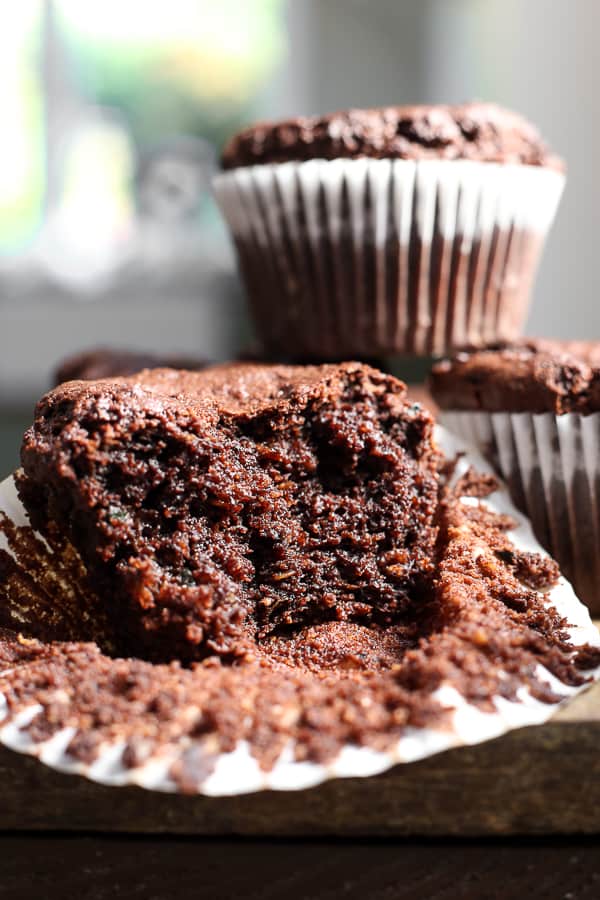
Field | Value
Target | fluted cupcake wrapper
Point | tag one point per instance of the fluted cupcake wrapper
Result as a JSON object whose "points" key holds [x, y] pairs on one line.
{"points": [[552, 467], [238, 771], [366, 257]]}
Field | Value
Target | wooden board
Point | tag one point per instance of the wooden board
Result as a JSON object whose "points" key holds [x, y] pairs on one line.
{"points": [[539, 780]]}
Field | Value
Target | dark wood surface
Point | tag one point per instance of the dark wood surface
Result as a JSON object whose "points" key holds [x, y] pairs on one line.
{"points": [[533, 781], [100, 867]]}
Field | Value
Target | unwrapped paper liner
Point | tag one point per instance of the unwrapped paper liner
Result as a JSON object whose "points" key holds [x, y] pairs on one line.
{"points": [[552, 467], [238, 772], [363, 257]]}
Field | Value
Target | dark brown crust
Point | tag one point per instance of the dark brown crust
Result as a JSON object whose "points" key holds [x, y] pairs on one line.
{"points": [[476, 131], [533, 376]]}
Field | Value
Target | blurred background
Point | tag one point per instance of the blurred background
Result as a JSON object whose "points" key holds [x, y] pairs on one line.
{"points": [[114, 114]]}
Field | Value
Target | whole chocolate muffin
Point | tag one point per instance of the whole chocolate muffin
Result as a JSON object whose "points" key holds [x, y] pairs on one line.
{"points": [[534, 410], [412, 229]]}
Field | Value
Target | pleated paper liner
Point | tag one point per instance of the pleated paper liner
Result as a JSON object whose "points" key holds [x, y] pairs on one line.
{"points": [[552, 467], [238, 771], [360, 258]]}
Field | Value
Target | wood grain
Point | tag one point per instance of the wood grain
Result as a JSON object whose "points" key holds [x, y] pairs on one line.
{"points": [[161, 867], [539, 780]]}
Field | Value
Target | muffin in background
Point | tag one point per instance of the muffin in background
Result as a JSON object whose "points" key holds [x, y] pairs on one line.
{"points": [[104, 362], [534, 410], [411, 230]]}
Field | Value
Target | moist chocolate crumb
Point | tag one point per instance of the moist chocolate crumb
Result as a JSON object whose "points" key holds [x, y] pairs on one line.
{"points": [[477, 131], [214, 508], [480, 627], [538, 572], [476, 484]]}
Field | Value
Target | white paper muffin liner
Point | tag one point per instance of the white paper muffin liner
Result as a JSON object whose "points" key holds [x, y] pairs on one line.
{"points": [[552, 467], [364, 257], [238, 772]]}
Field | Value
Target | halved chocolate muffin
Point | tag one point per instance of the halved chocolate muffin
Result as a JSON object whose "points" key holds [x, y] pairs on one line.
{"points": [[265, 576], [210, 508]]}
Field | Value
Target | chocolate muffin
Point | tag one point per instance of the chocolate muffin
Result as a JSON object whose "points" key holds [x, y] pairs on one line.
{"points": [[264, 576], [210, 509], [411, 229], [102, 362], [533, 408]]}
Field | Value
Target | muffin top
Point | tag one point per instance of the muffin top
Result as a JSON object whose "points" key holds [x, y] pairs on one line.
{"points": [[477, 131], [533, 376]]}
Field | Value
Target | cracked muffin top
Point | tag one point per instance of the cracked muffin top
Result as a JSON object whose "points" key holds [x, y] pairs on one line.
{"points": [[482, 132]]}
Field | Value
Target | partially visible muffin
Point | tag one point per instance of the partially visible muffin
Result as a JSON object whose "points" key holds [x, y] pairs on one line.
{"points": [[534, 410], [535, 376], [412, 229], [104, 362]]}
